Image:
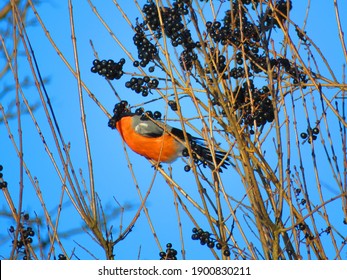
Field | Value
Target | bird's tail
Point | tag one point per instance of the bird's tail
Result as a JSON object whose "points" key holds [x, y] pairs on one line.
{"points": [[202, 154]]}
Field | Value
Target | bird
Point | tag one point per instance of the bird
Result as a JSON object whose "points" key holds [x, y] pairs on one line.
{"points": [[158, 141]]}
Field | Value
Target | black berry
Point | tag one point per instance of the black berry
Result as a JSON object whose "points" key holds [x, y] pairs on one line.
{"points": [[187, 168]]}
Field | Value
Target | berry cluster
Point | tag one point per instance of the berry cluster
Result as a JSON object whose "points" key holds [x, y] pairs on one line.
{"points": [[301, 34], [3, 184], [156, 115], [205, 238], [253, 104], [218, 64], [119, 109], [310, 135], [327, 230], [234, 28], [303, 201], [173, 24], [243, 30], [292, 70], [174, 28], [25, 236], [145, 49], [237, 30], [279, 14], [297, 192], [302, 227], [142, 85], [108, 68], [170, 253], [148, 114], [173, 105], [186, 59]]}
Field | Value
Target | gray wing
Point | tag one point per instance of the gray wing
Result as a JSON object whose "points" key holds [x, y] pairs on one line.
{"points": [[148, 128]]}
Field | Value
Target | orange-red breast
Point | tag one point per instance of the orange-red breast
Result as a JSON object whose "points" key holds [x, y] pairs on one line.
{"points": [[158, 141]]}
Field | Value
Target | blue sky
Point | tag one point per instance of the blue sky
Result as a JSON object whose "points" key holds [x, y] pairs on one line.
{"points": [[112, 177]]}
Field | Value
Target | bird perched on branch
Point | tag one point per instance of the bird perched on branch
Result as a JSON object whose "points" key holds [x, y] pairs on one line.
{"points": [[158, 141]]}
